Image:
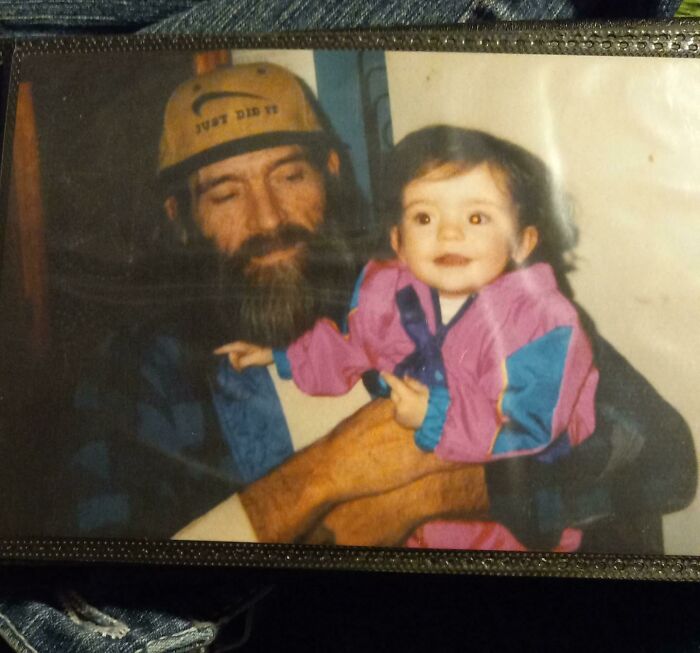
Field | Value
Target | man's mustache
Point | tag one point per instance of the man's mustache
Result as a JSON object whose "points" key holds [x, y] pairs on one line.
{"points": [[261, 245]]}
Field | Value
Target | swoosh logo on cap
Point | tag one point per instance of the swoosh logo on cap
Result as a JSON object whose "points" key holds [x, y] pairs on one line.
{"points": [[216, 95]]}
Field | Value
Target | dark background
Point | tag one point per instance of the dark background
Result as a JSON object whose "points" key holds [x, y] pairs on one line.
{"points": [[99, 119], [98, 123]]}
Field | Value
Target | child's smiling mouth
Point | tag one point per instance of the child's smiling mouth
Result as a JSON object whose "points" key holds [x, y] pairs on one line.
{"points": [[452, 260]]}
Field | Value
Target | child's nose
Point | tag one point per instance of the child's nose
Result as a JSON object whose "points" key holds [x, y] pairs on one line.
{"points": [[450, 230]]}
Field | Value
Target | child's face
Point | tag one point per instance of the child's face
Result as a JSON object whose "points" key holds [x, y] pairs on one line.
{"points": [[459, 233]]}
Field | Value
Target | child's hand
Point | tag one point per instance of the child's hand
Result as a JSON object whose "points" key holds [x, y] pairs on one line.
{"points": [[245, 354], [410, 399]]}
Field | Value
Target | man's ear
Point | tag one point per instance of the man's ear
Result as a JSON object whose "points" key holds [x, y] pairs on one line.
{"points": [[171, 208], [395, 239], [528, 241], [333, 163]]}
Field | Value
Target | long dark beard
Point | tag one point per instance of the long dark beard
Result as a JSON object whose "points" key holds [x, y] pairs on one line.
{"points": [[273, 305]]}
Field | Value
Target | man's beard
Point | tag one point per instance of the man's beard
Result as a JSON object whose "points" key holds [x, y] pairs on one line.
{"points": [[273, 304]]}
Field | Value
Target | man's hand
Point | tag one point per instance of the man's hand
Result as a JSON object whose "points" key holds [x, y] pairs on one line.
{"points": [[245, 354], [410, 399], [368, 453], [388, 519]]}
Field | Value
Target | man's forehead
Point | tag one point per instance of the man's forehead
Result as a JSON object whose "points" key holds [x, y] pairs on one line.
{"points": [[251, 163]]}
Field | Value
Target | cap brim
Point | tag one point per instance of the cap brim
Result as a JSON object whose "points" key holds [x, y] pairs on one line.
{"points": [[175, 174]]}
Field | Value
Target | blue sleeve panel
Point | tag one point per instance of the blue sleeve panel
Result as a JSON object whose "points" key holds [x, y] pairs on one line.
{"points": [[354, 300], [284, 367], [534, 377], [252, 420], [430, 431]]}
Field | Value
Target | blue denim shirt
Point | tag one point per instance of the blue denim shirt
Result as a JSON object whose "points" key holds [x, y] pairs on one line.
{"points": [[224, 16], [58, 618]]}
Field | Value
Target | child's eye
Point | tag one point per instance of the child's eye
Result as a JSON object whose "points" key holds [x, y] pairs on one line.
{"points": [[477, 218], [421, 218]]}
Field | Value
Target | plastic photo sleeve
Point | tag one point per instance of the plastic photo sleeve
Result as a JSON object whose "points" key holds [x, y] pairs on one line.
{"points": [[414, 301]]}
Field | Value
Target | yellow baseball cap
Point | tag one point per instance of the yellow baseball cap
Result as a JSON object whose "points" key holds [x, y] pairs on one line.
{"points": [[231, 111]]}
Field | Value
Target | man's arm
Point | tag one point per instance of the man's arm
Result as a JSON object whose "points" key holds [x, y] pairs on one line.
{"points": [[388, 519], [366, 454]]}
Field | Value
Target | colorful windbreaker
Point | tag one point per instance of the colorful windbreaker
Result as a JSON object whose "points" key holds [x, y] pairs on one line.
{"points": [[509, 374]]}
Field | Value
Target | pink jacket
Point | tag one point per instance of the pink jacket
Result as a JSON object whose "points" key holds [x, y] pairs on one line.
{"points": [[518, 365]]}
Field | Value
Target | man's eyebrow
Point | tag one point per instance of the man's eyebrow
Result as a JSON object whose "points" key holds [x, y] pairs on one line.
{"points": [[204, 186], [291, 158]]}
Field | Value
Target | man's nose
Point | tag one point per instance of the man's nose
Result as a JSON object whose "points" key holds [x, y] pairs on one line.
{"points": [[266, 212]]}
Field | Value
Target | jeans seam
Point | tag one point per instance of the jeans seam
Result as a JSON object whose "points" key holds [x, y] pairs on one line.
{"points": [[83, 614], [16, 635], [172, 639]]}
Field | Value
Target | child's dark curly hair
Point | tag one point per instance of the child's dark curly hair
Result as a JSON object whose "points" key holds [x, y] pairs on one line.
{"points": [[536, 197]]}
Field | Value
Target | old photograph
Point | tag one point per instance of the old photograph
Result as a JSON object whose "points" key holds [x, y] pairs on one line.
{"points": [[434, 300]]}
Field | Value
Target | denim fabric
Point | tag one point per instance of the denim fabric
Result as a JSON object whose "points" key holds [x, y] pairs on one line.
{"points": [[61, 16], [117, 612], [67, 622], [26, 17], [114, 620], [243, 15]]}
